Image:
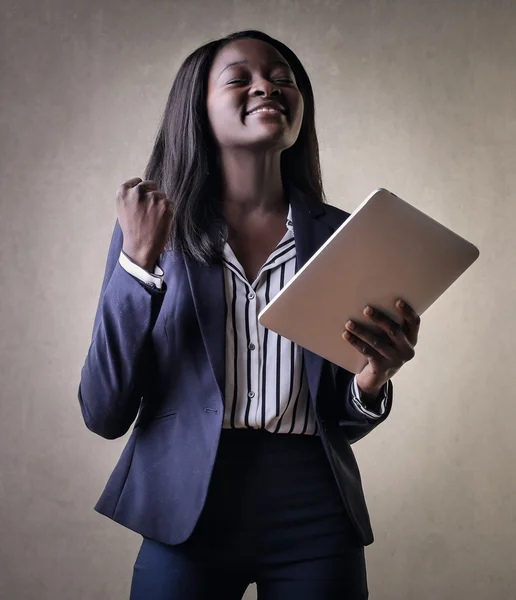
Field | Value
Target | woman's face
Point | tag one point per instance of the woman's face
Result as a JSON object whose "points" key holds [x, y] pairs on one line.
{"points": [[253, 99]]}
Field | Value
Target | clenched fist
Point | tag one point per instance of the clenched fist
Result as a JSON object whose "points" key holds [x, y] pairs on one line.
{"points": [[145, 217]]}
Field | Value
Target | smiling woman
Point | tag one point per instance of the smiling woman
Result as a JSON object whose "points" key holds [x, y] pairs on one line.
{"points": [[251, 82], [239, 467]]}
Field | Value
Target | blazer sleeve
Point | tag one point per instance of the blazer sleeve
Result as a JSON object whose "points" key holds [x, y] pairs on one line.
{"points": [[113, 376], [355, 423]]}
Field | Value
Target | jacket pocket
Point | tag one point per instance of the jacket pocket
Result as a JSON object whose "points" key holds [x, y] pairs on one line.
{"points": [[162, 416], [148, 419]]}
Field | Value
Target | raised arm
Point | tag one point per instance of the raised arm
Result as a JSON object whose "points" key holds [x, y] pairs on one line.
{"points": [[114, 373]]}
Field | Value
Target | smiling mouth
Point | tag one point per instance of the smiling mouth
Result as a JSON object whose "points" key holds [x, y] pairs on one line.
{"points": [[266, 110]]}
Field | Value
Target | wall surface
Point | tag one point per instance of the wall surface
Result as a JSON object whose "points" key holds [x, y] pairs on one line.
{"points": [[415, 96]]}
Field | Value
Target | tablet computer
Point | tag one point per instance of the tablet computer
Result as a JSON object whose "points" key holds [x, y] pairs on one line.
{"points": [[387, 249]]}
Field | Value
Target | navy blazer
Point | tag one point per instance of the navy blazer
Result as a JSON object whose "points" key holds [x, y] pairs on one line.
{"points": [[158, 356]]}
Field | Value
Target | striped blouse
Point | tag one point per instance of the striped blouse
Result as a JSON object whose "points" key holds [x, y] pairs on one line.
{"points": [[266, 382]]}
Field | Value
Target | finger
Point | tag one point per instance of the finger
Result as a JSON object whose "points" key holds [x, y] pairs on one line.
{"points": [[412, 321], [363, 347], [385, 323], [157, 195], [147, 185], [127, 185], [380, 344], [395, 332]]}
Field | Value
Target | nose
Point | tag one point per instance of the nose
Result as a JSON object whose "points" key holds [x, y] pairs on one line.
{"points": [[265, 88]]}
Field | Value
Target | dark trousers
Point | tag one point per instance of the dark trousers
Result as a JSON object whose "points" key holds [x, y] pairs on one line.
{"points": [[273, 516]]}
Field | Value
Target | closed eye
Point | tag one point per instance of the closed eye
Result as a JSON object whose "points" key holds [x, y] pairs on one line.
{"points": [[242, 81]]}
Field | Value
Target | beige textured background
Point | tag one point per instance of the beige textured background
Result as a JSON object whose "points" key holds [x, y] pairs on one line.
{"points": [[415, 96]]}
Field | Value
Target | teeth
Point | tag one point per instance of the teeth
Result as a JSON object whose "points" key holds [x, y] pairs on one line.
{"points": [[257, 110]]}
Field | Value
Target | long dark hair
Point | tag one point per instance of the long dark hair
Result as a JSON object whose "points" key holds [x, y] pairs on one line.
{"points": [[183, 162]]}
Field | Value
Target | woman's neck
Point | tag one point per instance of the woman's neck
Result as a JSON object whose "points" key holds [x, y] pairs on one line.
{"points": [[251, 183]]}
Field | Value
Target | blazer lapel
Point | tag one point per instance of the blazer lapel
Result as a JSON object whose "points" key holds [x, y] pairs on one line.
{"points": [[310, 232], [207, 285]]}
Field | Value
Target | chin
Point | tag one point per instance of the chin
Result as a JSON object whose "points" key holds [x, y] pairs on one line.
{"points": [[273, 137]]}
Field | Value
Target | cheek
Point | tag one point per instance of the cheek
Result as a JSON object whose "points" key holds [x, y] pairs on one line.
{"points": [[223, 114], [298, 110], [213, 117]]}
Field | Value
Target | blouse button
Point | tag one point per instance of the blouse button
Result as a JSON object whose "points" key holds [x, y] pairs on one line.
{"points": [[251, 346], [251, 295], [251, 394]]}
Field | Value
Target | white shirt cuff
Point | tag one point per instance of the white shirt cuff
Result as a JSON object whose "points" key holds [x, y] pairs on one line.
{"points": [[356, 399], [155, 279]]}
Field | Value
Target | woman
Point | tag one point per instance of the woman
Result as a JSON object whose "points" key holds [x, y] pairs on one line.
{"points": [[239, 466]]}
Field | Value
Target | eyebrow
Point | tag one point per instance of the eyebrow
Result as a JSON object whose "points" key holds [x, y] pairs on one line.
{"points": [[245, 62]]}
